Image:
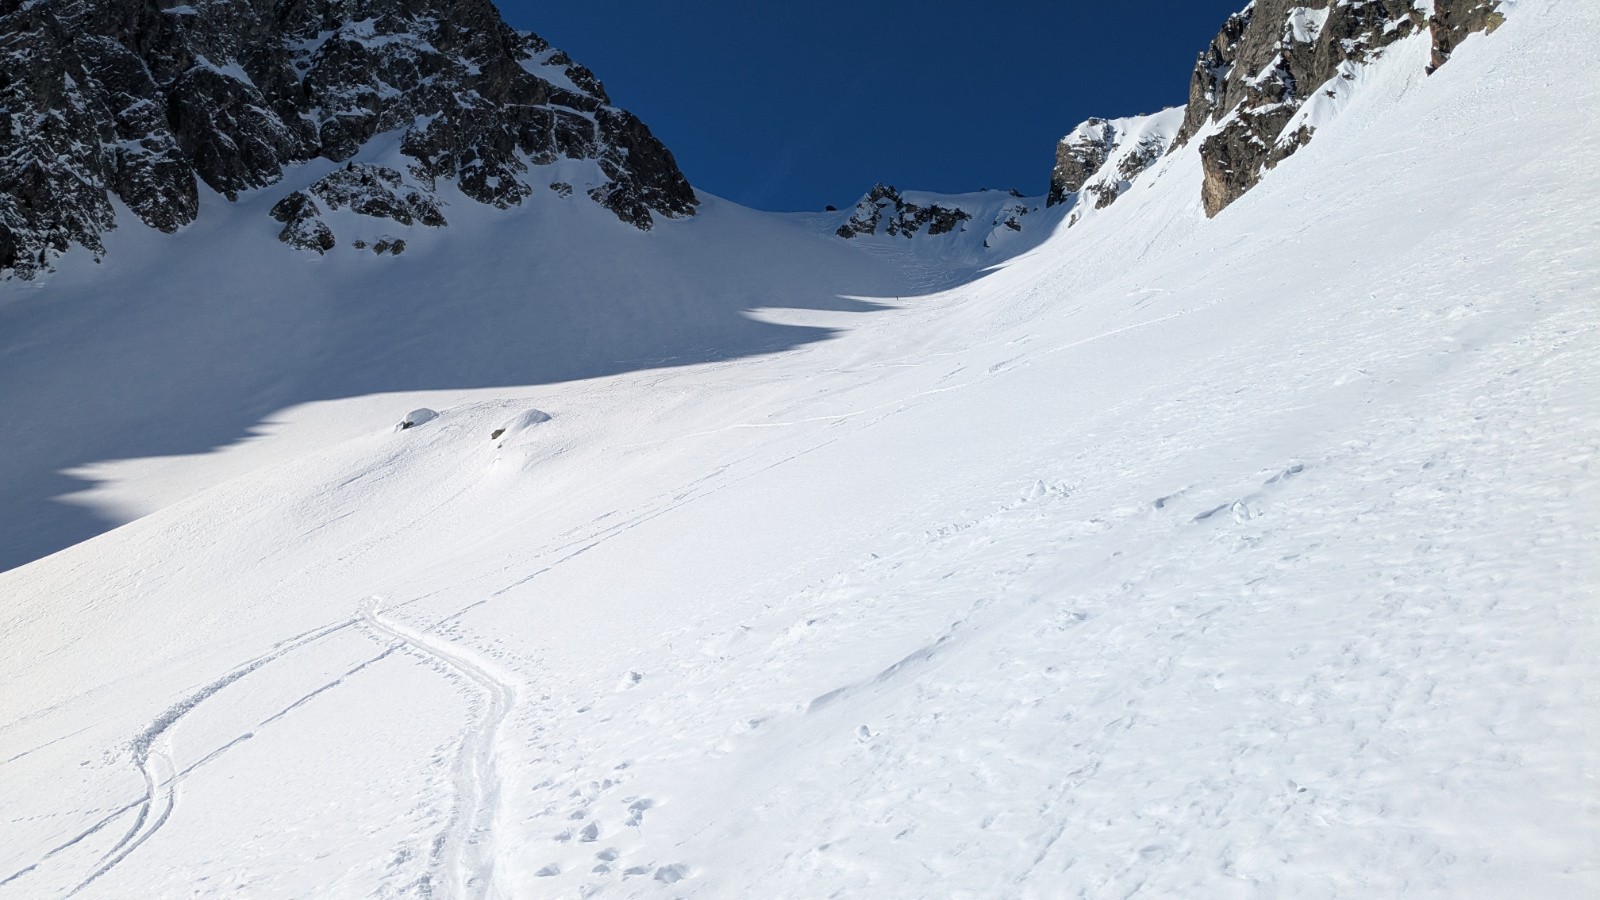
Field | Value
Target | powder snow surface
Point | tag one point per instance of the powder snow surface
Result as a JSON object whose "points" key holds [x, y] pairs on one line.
{"points": [[1248, 557]]}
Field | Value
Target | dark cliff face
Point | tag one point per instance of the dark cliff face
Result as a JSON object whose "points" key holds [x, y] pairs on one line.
{"points": [[144, 99], [1273, 57]]}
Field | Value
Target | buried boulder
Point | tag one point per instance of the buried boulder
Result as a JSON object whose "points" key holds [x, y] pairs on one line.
{"points": [[520, 422], [420, 416]]}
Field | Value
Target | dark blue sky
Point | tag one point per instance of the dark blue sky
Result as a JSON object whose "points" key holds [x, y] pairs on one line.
{"points": [[795, 105]]}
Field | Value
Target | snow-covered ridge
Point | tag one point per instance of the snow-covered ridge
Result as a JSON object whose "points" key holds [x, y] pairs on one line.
{"points": [[937, 238], [888, 211]]}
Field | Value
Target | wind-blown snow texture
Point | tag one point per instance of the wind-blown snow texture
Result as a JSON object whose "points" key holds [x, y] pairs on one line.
{"points": [[1250, 556]]}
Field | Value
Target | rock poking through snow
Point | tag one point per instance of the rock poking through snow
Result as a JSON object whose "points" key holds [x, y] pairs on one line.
{"points": [[419, 416], [1100, 159], [884, 210]]}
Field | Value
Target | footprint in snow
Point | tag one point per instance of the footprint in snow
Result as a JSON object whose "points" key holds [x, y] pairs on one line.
{"points": [[672, 874], [637, 809]]}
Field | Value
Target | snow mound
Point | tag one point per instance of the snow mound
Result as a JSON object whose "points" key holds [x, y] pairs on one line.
{"points": [[520, 423], [419, 416]]}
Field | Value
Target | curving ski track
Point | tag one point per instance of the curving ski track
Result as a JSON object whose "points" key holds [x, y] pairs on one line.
{"points": [[153, 757], [464, 856]]}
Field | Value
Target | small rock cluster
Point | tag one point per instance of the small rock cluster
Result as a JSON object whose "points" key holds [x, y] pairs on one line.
{"points": [[884, 210], [369, 190]]}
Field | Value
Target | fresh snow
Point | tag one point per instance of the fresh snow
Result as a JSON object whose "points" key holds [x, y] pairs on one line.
{"points": [[1305, 24], [1253, 556]]}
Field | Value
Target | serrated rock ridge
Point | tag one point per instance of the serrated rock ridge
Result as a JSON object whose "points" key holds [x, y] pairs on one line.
{"points": [[144, 100]]}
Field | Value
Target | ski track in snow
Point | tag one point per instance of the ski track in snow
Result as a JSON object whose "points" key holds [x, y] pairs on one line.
{"points": [[464, 854], [152, 756]]}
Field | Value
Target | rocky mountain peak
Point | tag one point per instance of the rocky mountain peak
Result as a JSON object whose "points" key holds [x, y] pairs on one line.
{"points": [[1251, 86], [141, 101]]}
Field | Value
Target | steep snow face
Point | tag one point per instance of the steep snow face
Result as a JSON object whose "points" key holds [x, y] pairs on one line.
{"points": [[128, 102], [1098, 161], [1178, 557]]}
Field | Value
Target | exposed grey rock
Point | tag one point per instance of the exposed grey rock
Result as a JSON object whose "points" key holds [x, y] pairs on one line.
{"points": [[1083, 155], [143, 99], [1260, 69], [1078, 156], [303, 228], [628, 150], [884, 209], [378, 191], [1268, 60]]}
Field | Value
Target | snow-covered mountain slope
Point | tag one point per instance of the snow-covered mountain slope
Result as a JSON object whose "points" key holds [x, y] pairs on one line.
{"points": [[1253, 556], [219, 336]]}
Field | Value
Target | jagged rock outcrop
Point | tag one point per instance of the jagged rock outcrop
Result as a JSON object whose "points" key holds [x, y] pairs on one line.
{"points": [[303, 228], [1079, 155], [143, 100], [1100, 159], [377, 191], [1268, 61], [952, 226], [884, 210]]}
